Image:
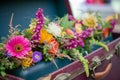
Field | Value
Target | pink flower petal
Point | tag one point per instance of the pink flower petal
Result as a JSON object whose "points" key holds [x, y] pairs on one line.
{"points": [[18, 40]]}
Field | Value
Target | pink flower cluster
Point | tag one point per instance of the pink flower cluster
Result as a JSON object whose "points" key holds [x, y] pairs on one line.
{"points": [[78, 40], [40, 18]]}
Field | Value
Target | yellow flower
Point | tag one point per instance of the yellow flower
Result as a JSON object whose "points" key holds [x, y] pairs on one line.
{"points": [[63, 33], [26, 62], [45, 36], [30, 54], [90, 21], [33, 24]]}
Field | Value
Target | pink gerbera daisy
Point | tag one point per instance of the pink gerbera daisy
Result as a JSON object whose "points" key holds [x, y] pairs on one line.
{"points": [[18, 46]]}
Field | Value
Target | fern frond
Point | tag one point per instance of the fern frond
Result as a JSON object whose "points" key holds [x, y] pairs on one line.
{"points": [[96, 42], [78, 55]]}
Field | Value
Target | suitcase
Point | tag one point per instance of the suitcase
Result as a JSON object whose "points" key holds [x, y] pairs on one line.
{"points": [[70, 68], [45, 68], [75, 71]]}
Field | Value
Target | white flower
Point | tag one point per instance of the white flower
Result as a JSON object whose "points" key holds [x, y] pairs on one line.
{"points": [[54, 29]]}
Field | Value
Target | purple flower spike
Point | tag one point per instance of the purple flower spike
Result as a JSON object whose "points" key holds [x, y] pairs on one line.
{"points": [[78, 40], [90, 29], [84, 34], [82, 44], [37, 56], [36, 35]]}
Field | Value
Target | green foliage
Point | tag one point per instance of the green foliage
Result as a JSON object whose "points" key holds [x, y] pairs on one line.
{"points": [[85, 64], [77, 55], [46, 20], [46, 55], [106, 25], [2, 73], [28, 34], [1, 45], [87, 46], [98, 35], [65, 23], [96, 42], [103, 23], [66, 52], [5, 63]]}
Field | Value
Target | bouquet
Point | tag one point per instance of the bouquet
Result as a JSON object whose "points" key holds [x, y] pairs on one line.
{"points": [[64, 37]]}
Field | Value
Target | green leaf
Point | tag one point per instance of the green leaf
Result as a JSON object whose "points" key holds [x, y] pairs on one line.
{"points": [[65, 23], [2, 68], [28, 34], [1, 45], [45, 49], [2, 73], [106, 25], [1, 53], [65, 52]]}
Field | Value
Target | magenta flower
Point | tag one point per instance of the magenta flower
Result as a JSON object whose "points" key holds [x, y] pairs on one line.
{"points": [[112, 23], [18, 46], [86, 33], [37, 56], [36, 35], [71, 18]]}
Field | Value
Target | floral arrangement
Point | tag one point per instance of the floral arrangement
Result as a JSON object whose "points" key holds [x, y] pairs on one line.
{"points": [[64, 37]]}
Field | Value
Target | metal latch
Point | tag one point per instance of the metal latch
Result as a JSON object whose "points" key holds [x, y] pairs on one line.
{"points": [[117, 49], [96, 61]]}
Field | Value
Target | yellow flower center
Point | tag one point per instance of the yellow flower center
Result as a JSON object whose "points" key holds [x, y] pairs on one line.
{"points": [[91, 21], [18, 48]]}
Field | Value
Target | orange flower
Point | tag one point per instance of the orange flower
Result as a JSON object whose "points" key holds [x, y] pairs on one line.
{"points": [[54, 46], [78, 28], [69, 32], [45, 36], [105, 32]]}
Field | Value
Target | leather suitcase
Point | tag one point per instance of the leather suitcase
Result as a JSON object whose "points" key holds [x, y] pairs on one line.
{"points": [[74, 71], [67, 67], [43, 68]]}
